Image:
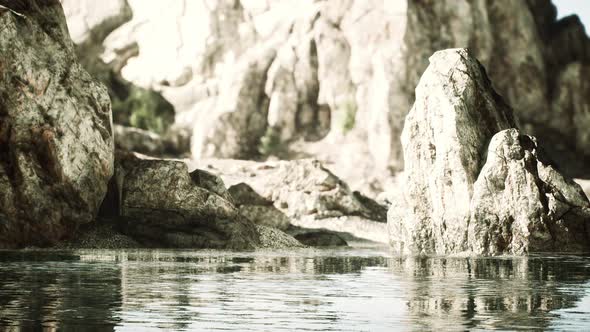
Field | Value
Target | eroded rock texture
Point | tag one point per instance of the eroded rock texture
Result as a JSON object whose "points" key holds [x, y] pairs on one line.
{"points": [[461, 195], [56, 143], [166, 205], [344, 71], [521, 204], [256, 208], [300, 193]]}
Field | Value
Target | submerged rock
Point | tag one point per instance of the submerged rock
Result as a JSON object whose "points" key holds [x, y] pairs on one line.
{"points": [[102, 235], [455, 198], [56, 142], [272, 238], [321, 238]]}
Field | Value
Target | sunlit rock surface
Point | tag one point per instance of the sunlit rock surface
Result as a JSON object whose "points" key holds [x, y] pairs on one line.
{"points": [[344, 72], [463, 193], [56, 141], [304, 191], [521, 204]]}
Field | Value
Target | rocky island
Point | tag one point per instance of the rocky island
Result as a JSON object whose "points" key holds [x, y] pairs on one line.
{"points": [[297, 130]]}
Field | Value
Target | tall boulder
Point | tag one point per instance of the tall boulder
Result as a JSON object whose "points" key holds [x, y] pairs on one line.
{"points": [[444, 138], [56, 142], [461, 195]]}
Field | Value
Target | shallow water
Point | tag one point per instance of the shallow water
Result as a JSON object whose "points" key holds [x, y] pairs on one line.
{"points": [[304, 290]]}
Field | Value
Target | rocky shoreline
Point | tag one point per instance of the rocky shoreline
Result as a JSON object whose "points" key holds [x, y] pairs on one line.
{"points": [[474, 180]]}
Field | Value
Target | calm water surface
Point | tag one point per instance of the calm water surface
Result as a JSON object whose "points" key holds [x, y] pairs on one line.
{"points": [[305, 290]]}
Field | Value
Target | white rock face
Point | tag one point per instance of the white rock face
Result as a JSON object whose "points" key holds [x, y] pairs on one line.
{"points": [[521, 205], [456, 199], [85, 15], [345, 70], [444, 138]]}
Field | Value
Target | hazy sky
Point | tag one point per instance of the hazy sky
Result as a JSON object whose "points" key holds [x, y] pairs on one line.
{"points": [[579, 7]]}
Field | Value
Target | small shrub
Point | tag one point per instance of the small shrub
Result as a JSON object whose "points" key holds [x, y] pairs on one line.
{"points": [[349, 118], [270, 143]]}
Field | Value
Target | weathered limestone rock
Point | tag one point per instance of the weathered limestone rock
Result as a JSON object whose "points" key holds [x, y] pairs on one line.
{"points": [[305, 188], [445, 135], [90, 23], [455, 198], [520, 204], [56, 142], [256, 208], [167, 205]]}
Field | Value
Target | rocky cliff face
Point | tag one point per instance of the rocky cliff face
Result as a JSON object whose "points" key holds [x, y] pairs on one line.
{"points": [[344, 71], [474, 183], [56, 143]]}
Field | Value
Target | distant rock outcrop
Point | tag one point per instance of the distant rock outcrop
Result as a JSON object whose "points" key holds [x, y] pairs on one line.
{"points": [[344, 71], [300, 193], [463, 193], [56, 140]]}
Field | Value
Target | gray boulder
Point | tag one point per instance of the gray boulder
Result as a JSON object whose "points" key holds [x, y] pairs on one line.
{"points": [[138, 140], [300, 188], [166, 205], [56, 142]]}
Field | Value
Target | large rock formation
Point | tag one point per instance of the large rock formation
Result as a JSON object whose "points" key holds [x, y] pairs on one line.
{"points": [[346, 71], [159, 203], [56, 143], [461, 195]]}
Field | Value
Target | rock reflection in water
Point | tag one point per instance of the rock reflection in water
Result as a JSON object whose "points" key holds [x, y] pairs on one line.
{"points": [[304, 290]]}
